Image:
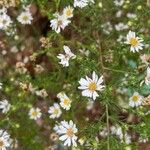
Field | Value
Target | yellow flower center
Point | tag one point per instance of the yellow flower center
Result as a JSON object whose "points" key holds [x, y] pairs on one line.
{"points": [[1, 143], [59, 23], [70, 132], [67, 102], [92, 86], [56, 111], [135, 98], [69, 12], [134, 41], [34, 113], [25, 18]]}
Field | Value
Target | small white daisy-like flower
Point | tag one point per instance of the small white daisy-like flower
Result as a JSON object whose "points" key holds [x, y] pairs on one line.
{"points": [[4, 140], [4, 106], [25, 17], [119, 132], [104, 132], [66, 57], [91, 86], [59, 22], [135, 100], [127, 138], [118, 2], [145, 59], [82, 3], [121, 26], [35, 113], [41, 93], [1, 85], [5, 21], [68, 12], [131, 15], [147, 78], [135, 42], [67, 132], [65, 102], [143, 140], [55, 111]]}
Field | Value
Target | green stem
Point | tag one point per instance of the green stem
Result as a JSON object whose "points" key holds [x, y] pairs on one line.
{"points": [[57, 5], [107, 120]]}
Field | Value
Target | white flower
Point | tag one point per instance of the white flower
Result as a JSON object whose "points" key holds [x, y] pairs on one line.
{"points": [[66, 57], [35, 113], [55, 111], [4, 140], [147, 78], [113, 129], [41, 93], [90, 105], [5, 106], [135, 42], [107, 27], [1, 84], [145, 58], [127, 138], [135, 100], [80, 3], [90, 86], [60, 22], [68, 12], [119, 13], [65, 102], [143, 140], [131, 15], [119, 132], [118, 2], [121, 26], [5, 21], [104, 133], [67, 131], [25, 17]]}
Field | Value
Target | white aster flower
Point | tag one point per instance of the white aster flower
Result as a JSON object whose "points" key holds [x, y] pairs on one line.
{"points": [[68, 12], [4, 106], [135, 42], [65, 102], [113, 129], [131, 15], [119, 132], [103, 133], [66, 57], [135, 100], [118, 2], [127, 138], [35, 113], [25, 17], [121, 26], [4, 140], [90, 86], [59, 22], [80, 3], [107, 27], [67, 131], [5, 21], [41, 93], [143, 140], [1, 85], [147, 78], [55, 111], [145, 59]]}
